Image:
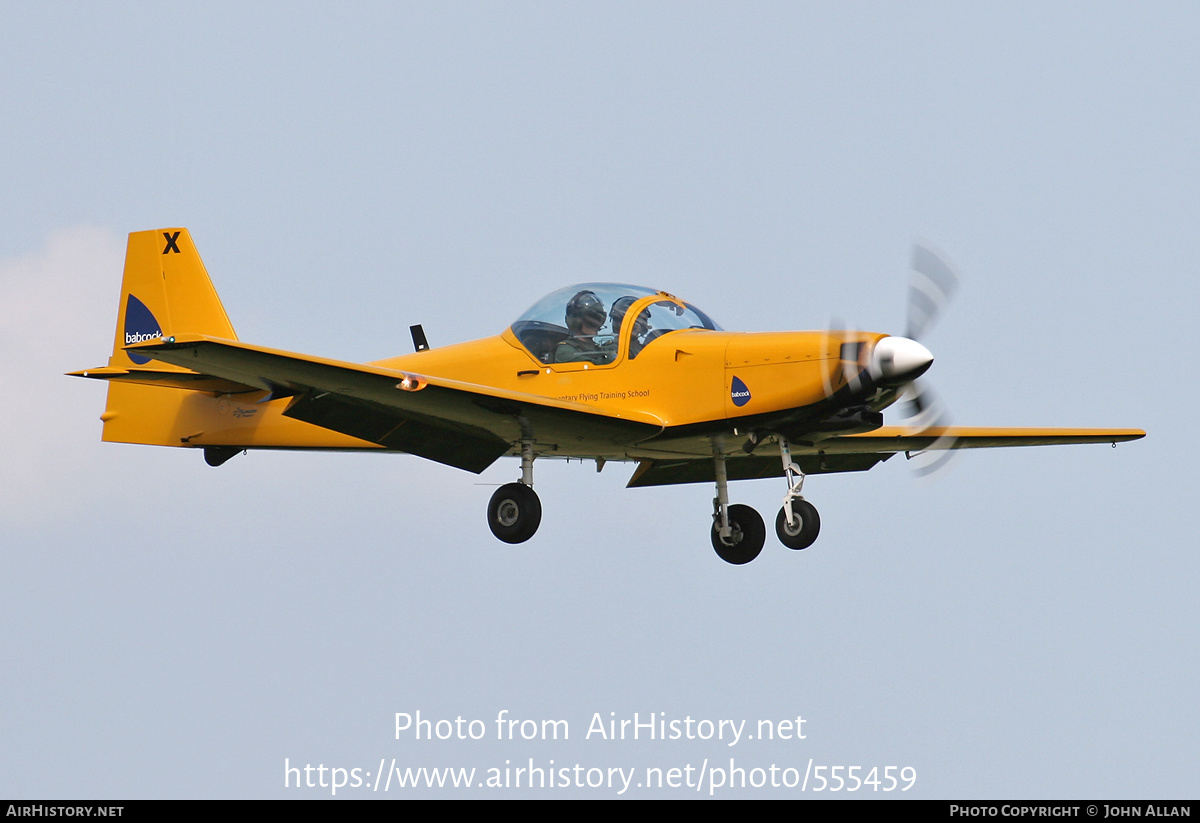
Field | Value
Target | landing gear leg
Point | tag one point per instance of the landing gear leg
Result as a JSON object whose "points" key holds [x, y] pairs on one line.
{"points": [[515, 512], [798, 523], [738, 532]]}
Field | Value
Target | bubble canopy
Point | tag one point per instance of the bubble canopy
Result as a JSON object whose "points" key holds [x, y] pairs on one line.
{"points": [[584, 322]]}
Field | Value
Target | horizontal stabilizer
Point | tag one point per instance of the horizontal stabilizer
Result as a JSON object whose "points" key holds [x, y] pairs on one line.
{"points": [[168, 379]]}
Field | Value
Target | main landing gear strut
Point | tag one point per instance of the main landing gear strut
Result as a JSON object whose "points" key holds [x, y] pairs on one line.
{"points": [[515, 512], [738, 532]]}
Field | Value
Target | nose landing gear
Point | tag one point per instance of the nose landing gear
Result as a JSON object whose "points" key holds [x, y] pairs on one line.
{"points": [[798, 523], [804, 528]]}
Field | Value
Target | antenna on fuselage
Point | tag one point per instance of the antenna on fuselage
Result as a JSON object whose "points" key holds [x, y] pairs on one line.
{"points": [[418, 336]]}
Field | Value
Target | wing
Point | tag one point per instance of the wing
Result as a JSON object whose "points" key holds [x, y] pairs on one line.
{"points": [[859, 452], [464, 425], [895, 439]]}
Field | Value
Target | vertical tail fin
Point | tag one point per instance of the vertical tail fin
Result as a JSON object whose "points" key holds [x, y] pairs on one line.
{"points": [[166, 291]]}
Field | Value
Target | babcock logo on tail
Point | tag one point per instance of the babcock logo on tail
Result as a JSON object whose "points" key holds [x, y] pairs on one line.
{"points": [[140, 326], [738, 393]]}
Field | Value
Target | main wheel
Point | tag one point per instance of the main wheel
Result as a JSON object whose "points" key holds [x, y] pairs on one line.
{"points": [[806, 525], [747, 539], [514, 513]]}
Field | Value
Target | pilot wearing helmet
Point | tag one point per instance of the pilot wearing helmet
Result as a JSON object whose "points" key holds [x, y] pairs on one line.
{"points": [[585, 315]]}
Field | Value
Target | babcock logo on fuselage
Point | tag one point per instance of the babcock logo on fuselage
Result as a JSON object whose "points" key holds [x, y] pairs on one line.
{"points": [[738, 393], [140, 326]]}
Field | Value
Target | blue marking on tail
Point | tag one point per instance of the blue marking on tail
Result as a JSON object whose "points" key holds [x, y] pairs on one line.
{"points": [[140, 326]]}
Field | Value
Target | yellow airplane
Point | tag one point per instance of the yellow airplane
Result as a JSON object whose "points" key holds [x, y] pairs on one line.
{"points": [[570, 378]]}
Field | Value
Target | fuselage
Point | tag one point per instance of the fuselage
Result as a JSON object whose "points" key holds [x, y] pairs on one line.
{"points": [[685, 378], [672, 363], [641, 355]]}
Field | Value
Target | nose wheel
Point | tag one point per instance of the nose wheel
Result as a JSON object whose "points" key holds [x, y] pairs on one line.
{"points": [[798, 523], [804, 527]]}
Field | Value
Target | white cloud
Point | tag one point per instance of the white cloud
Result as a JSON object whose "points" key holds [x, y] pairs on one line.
{"points": [[57, 314]]}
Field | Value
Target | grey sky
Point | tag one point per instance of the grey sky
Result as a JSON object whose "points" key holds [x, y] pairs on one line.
{"points": [[1024, 623]]}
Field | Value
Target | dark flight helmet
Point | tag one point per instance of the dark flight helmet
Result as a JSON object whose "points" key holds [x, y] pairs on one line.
{"points": [[585, 306], [620, 308]]}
